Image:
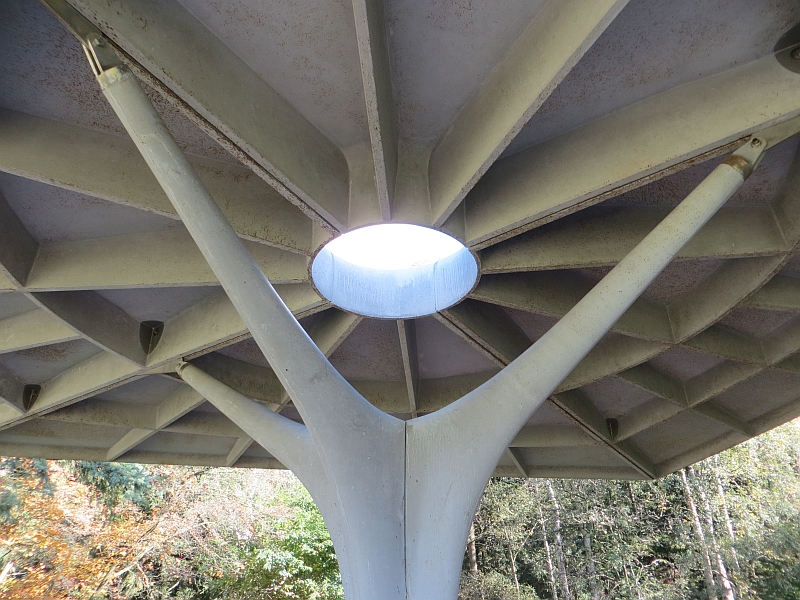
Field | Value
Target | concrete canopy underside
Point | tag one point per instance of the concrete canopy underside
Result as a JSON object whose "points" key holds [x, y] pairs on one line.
{"points": [[304, 119]]}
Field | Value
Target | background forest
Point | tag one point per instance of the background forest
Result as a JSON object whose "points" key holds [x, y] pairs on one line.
{"points": [[727, 528]]}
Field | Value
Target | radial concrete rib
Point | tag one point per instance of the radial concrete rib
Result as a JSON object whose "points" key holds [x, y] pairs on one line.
{"points": [[87, 313], [177, 404], [657, 411], [603, 236], [11, 396], [214, 322], [718, 379], [707, 302], [239, 447], [643, 416], [559, 35], [17, 246], [186, 57], [130, 440], [779, 293], [629, 147], [57, 154], [98, 320], [373, 52], [650, 379], [554, 294], [33, 329], [93, 375], [516, 458], [407, 331], [717, 413], [611, 355], [487, 327], [552, 436], [729, 344], [703, 451], [577, 406], [209, 324], [782, 343], [137, 261]]}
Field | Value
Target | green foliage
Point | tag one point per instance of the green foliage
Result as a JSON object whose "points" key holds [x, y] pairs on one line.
{"points": [[642, 538], [297, 561], [493, 586], [115, 482]]}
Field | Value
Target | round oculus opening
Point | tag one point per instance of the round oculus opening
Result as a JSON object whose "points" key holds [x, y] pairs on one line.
{"points": [[394, 271]]}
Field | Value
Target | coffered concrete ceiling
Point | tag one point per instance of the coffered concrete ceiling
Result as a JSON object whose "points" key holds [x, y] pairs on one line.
{"points": [[550, 136]]}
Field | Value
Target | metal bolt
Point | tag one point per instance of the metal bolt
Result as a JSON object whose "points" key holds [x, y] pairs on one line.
{"points": [[796, 52], [756, 143]]}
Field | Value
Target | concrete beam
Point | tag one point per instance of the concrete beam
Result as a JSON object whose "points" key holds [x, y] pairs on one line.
{"points": [[650, 379], [31, 330], [214, 322], [373, 52], [407, 331], [729, 344], [603, 236], [99, 372], [98, 320], [516, 458], [487, 327], [610, 356], [177, 404], [58, 154], [200, 70], [17, 247], [11, 391], [779, 293], [554, 294], [578, 407], [209, 324], [719, 293], [536, 63], [138, 261], [718, 379], [629, 148], [239, 448]]}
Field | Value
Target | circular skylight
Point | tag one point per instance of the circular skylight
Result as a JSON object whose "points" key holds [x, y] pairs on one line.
{"points": [[394, 271]]}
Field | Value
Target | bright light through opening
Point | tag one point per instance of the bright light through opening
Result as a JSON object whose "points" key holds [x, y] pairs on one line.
{"points": [[394, 271], [394, 246]]}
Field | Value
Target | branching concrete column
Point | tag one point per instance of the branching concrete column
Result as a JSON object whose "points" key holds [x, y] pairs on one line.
{"points": [[398, 497]]}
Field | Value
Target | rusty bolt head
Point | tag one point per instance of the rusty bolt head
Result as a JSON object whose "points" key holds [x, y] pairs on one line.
{"points": [[756, 143], [796, 52]]}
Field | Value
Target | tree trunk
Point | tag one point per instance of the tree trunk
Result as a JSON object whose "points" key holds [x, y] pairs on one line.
{"points": [[726, 514], [513, 563], [550, 569], [722, 571], [698, 529], [562, 566], [472, 553], [590, 567]]}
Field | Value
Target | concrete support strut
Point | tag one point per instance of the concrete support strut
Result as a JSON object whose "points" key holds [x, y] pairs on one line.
{"points": [[400, 519]]}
